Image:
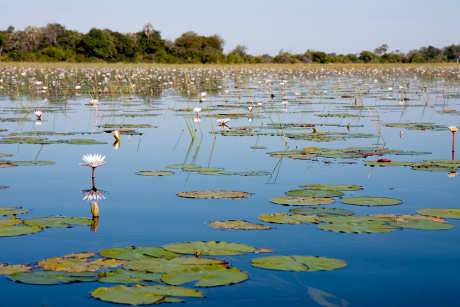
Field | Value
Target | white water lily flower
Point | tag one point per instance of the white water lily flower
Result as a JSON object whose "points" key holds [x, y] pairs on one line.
{"points": [[196, 110], [223, 121], [453, 129], [196, 120], [93, 160], [203, 94], [284, 102], [38, 113]]}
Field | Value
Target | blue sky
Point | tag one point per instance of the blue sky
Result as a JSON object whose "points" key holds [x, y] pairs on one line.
{"points": [[263, 26]]}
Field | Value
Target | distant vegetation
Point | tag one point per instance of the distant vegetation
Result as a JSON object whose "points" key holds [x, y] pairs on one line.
{"points": [[53, 43]]}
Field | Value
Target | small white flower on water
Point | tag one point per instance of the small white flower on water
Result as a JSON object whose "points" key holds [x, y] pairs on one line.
{"points": [[196, 110], [94, 101], [203, 94], [284, 102], [77, 87], [250, 109], [116, 135], [390, 89], [38, 113], [223, 121], [259, 104], [196, 120], [38, 122], [93, 160]]}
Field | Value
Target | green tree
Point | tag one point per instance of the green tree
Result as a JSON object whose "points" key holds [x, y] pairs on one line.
{"points": [[98, 44]]}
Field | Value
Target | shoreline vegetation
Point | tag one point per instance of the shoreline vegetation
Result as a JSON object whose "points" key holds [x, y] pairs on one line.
{"points": [[54, 43]]}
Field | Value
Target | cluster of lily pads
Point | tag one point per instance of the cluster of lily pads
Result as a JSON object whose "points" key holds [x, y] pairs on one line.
{"points": [[13, 226], [151, 274], [308, 199]]}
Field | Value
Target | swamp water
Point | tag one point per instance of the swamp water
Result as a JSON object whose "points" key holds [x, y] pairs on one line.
{"points": [[283, 144]]}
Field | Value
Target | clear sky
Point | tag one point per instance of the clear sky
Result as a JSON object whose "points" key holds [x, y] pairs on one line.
{"points": [[264, 26]]}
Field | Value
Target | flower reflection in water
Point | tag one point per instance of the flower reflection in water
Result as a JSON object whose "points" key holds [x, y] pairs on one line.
{"points": [[93, 195]]}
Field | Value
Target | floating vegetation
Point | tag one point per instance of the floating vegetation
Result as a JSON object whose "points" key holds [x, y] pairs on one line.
{"points": [[143, 295], [314, 193], [27, 163], [137, 252], [8, 269], [446, 213], [78, 262], [321, 211], [57, 222], [371, 201], [211, 248], [238, 225], [5, 211], [333, 187], [212, 194], [340, 115], [210, 276], [416, 126], [119, 276], [439, 165], [214, 170], [154, 173], [162, 265], [123, 126], [298, 263], [52, 277], [18, 230], [355, 224], [302, 200], [283, 218]]}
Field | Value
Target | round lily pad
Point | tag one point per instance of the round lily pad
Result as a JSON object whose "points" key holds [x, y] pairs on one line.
{"points": [[212, 248], [302, 201], [371, 201], [120, 276], [298, 263], [321, 211], [355, 224], [51, 277], [314, 193], [238, 225], [447, 213], [8, 269], [214, 194], [154, 173], [136, 252], [10, 222], [4, 211], [283, 218], [333, 187], [57, 222], [206, 277], [78, 263], [161, 265], [143, 295], [18, 230], [414, 221]]}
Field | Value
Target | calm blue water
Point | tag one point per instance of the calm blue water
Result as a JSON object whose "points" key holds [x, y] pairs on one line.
{"points": [[401, 268]]}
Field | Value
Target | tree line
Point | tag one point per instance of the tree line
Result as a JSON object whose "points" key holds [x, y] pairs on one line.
{"points": [[54, 42]]}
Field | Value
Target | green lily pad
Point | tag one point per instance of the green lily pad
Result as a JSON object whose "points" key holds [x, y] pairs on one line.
{"points": [[121, 126], [120, 276], [238, 225], [211, 248], [137, 252], [447, 213], [18, 230], [81, 142], [10, 222], [51, 277], [333, 187], [302, 201], [321, 211], [283, 218], [314, 193], [355, 224], [391, 163], [421, 224], [8, 269], [416, 126], [57, 222], [298, 263], [371, 201], [207, 277], [143, 295], [4, 211], [214, 194], [161, 265], [154, 173], [28, 163]]}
